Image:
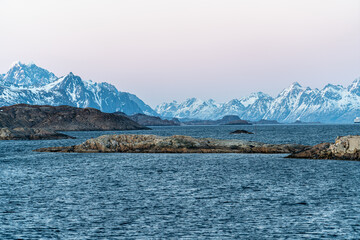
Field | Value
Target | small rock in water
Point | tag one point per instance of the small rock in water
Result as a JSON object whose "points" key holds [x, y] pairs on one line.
{"points": [[241, 132]]}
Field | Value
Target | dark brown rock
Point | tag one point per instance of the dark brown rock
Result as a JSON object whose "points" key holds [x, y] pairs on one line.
{"points": [[63, 118], [173, 144], [344, 148], [238, 122], [241, 132]]}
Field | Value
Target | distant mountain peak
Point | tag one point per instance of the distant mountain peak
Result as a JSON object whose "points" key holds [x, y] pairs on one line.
{"points": [[295, 85], [355, 83], [19, 64], [15, 64], [27, 75], [259, 95], [354, 87]]}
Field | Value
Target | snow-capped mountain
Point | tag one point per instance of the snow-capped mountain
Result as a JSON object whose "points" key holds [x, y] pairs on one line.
{"points": [[28, 83], [333, 103], [26, 75]]}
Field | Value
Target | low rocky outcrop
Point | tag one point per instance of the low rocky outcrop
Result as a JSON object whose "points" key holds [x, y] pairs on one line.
{"points": [[30, 134], [226, 120], [241, 132], [344, 148], [147, 120], [63, 118], [301, 122], [173, 144], [238, 122]]}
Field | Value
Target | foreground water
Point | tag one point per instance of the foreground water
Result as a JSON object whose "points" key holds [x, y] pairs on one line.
{"points": [[235, 196]]}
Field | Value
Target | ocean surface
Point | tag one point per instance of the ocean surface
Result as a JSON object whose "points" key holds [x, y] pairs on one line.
{"points": [[172, 196]]}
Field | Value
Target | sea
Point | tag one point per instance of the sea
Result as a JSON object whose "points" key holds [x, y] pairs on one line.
{"points": [[180, 196]]}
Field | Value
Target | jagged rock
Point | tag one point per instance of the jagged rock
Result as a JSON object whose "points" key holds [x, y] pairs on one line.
{"points": [[344, 148], [241, 132], [63, 118], [30, 134], [173, 144]]}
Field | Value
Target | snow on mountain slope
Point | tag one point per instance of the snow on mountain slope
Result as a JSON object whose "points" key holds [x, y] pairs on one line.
{"points": [[198, 109], [28, 83], [190, 108], [257, 104], [146, 109], [333, 103], [233, 107], [27, 75]]}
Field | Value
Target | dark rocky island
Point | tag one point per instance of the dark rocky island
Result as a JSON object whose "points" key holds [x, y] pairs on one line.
{"points": [[63, 118], [241, 132], [238, 122], [147, 120], [344, 148], [34, 122], [173, 144]]}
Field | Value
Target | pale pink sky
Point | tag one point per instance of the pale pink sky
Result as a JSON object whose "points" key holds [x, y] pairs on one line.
{"points": [[162, 50]]}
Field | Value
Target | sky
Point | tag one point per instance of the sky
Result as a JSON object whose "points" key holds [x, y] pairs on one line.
{"points": [[164, 50]]}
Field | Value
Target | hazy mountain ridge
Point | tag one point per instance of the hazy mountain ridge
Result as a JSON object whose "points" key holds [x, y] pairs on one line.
{"points": [[333, 103], [30, 84]]}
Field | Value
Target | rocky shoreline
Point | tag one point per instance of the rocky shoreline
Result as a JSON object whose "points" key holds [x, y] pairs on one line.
{"points": [[344, 148], [175, 144]]}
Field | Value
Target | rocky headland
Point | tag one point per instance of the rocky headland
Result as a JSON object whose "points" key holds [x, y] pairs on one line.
{"points": [[33, 122], [344, 148], [63, 118], [174, 144], [30, 134]]}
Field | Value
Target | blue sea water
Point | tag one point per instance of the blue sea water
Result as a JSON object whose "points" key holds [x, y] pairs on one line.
{"points": [[172, 196]]}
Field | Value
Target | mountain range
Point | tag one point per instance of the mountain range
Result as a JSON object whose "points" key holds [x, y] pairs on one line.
{"points": [[30, 84], [332, 104]]}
